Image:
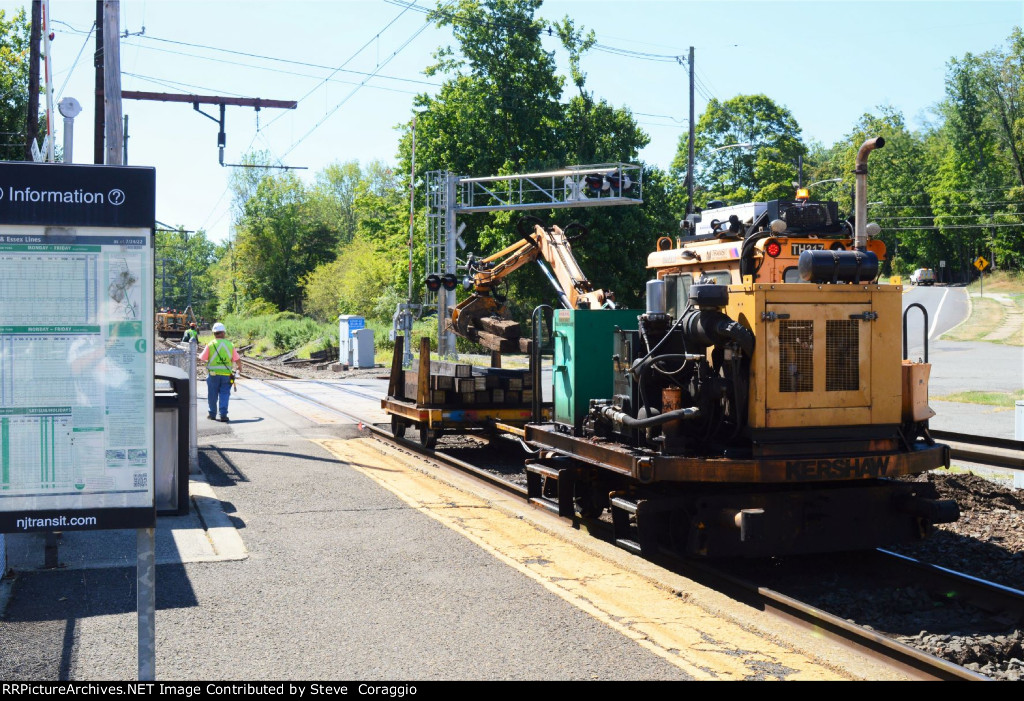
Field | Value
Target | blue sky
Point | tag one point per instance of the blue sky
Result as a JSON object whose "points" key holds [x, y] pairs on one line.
{"points": [[828, 62]]}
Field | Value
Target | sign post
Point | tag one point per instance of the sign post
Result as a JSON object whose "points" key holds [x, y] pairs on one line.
{"points": [[980, 263], [76, 341]]}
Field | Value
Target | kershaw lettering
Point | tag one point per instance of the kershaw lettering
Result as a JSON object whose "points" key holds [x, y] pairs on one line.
{"points": [[65, 197]]}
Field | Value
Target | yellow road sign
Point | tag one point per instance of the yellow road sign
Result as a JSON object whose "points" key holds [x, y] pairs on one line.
{"points": [[980, 263]]}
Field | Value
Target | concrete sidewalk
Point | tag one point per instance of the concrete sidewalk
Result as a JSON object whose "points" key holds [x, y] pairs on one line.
{"points": [[205, 534]]}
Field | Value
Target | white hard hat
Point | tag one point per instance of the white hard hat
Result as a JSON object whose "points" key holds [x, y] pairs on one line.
{"points": [[219, 328]]}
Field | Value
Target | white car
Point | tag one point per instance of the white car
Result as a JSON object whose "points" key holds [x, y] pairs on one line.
{"points": [[922, 276]]}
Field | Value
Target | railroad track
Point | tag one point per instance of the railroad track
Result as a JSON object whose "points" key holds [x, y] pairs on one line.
{"points": [[258, 371], [996, 452], [994, 600]]}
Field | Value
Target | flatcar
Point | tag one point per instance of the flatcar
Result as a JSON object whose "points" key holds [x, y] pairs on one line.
{"points": [[758, 406]]}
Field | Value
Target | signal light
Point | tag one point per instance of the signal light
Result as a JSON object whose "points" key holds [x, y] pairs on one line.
{"points": [[622, 184], [433, 283], [803, 194], [449, 282], [773, 249], [596, 183]]}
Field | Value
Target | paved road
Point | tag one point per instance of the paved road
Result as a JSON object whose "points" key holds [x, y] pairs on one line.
{"points": [[959, 366]]}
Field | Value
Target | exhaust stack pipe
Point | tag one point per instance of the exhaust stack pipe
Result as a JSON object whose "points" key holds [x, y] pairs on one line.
{"points": [[860, 209]]}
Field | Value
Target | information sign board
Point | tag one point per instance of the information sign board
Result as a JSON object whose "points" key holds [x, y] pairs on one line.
{"points": [[76, 341]]}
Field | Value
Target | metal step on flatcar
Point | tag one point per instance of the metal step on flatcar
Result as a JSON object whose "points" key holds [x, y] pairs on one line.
{"points": [[623, 525], [550, 488]]}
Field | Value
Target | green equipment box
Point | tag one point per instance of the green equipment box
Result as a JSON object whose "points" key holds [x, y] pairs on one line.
{"points": [[583, 367]]}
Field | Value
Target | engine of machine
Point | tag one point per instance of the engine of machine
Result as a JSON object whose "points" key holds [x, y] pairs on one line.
{"points": [[681, 384]]}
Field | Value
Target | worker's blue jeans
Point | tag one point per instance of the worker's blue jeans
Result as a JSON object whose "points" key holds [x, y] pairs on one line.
{"points": [[218, 387]]}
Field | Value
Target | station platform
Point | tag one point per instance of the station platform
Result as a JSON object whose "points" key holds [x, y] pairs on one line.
{"points": [[312, 553]]}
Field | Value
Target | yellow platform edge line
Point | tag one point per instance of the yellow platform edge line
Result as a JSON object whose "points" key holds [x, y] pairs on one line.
{"points": [[702, 645]]}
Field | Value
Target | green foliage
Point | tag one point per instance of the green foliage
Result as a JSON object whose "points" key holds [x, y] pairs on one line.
{"points": [[183, 274], [354, 283], [279, 332], [500, 110], [14, 69], [280, 239], [294, 333], [761, 172]]}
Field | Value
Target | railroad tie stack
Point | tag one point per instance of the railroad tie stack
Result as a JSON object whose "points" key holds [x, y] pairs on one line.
{"points": [[497, 334], [456, 384]]}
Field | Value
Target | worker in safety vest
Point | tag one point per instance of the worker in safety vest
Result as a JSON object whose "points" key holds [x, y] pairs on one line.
{"points": [[219, 356], [191, 334]]}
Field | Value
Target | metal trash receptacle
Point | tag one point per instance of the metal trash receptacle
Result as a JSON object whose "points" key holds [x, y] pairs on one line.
{"points": [[171, 416]]}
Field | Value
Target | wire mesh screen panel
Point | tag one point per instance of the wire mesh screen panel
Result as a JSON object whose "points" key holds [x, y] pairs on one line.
{"points": [[177, 358], [842, 355], [796, 356]]}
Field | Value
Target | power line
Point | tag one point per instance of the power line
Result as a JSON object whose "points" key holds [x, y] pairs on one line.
{"points": [[175, 85], [663, 116], [342, 67], [355, 89], [281, 70], [942, 205], [957, 226], [262, 57], [605, 48], [75, 64], [981, 222], [954, 192]]}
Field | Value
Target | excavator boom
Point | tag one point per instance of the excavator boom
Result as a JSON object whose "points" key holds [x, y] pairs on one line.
{"points": [[482, 317]]}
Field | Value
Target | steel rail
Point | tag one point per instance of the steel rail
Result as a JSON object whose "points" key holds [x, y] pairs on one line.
{"points": [[985, 450], [385, 435], [263, 368]]}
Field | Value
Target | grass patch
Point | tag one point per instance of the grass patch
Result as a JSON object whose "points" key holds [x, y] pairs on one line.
{"points": [[1001, 281], [986, 316], [1006, 399]]}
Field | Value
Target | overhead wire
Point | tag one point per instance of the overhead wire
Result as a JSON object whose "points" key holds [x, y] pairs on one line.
{"points": [[282, 71], [168, 83], [74, 65], [355, 89], [262, 57], [342, 67]]}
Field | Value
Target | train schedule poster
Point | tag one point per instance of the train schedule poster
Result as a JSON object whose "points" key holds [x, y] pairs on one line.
{"points": [[76, 347]]}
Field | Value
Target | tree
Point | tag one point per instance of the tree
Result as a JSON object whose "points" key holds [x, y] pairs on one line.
{"points": [[183, 273], [764, 171], [980, 177], [14, 70], [369, 277], [280, 239], [501, 110]]}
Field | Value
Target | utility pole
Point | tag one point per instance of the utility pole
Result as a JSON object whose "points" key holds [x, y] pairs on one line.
{"points": [[32, 121], [689, 155], [97, 62], [112, 80], [48, 80], [124, 149]]}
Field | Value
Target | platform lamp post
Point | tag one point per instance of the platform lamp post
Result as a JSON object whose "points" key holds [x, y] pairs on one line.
{"points": [[834, 180], [689, 175], [829, 180]]}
